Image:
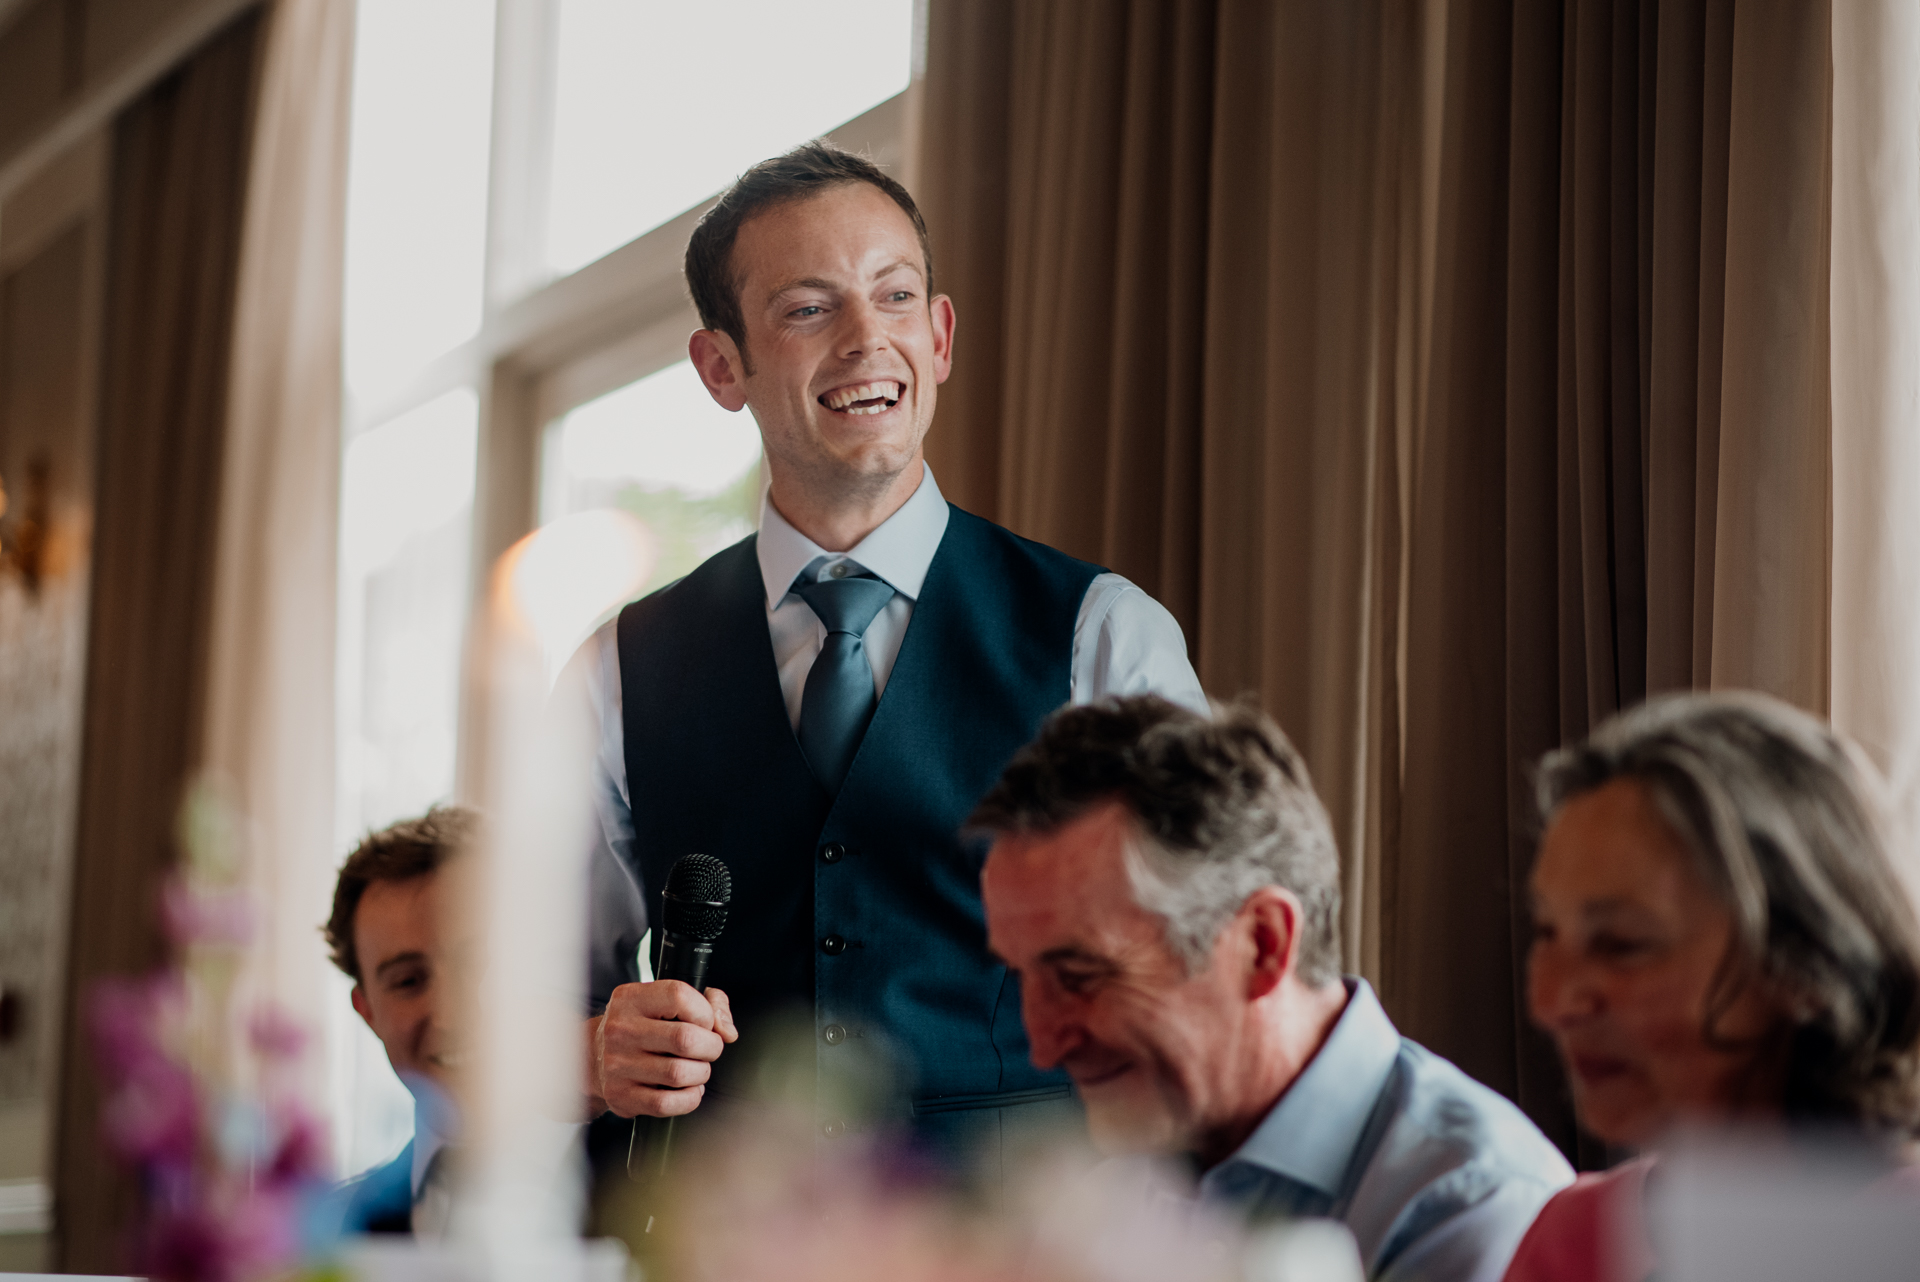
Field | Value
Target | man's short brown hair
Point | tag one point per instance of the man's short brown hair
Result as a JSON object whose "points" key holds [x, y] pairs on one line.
{"points": [[411, 848], [807, 170], [1223, 806]]}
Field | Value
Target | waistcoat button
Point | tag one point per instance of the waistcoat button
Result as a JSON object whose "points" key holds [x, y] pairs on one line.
{"points": [[833, 945], [834, 1130], [834, 1034], [832, 853]]}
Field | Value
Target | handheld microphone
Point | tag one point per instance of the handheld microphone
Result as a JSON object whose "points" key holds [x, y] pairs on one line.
{"points": [[692, 915], [693, 912]]}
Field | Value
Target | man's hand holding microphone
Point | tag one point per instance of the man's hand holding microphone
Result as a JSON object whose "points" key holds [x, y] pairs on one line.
{"points": [[652, 1051], [650, 1054]]}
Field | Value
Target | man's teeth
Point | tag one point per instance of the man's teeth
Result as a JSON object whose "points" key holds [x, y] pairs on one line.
{"points": [[882, 395]]}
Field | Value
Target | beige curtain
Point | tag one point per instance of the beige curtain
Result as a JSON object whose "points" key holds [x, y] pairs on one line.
{"points": [[269, 719], [211, 640], [177, 193], [1454, 371], [1876, 393]]}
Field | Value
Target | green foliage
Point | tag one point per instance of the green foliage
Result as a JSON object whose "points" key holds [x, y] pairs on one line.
{"points": [[689, 529]]}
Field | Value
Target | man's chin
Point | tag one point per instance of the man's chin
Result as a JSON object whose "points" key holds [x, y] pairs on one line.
{"points": [[1119, 1123]]}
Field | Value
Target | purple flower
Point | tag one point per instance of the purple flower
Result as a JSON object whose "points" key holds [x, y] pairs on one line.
{"points": [[153, 1116], [253, 1239], [185, 1246], [126, 1018]]}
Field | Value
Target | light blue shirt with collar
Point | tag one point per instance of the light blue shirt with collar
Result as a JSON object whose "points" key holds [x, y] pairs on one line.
{"points": [[1437, 1176]]}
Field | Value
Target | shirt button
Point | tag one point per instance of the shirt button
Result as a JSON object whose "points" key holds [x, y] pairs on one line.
{"points": [[832, 853], [833, 945], [839, 570], [834, 1034], [834, 1130]]}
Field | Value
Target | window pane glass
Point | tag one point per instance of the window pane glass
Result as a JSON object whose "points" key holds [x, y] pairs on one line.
{"points": [[406, 522], [661, 451], [416, 187], [660, 103]]}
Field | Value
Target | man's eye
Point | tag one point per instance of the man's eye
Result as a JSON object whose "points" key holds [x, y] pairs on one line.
{"points": [[809, 310], [900, 296], [1077, 982]]}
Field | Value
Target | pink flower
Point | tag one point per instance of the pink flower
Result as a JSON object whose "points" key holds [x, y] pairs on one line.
{"points": [[274, 1035], [205, 917], [300, 1156], [253, 1239], [153, 1117], [126, 1016]]}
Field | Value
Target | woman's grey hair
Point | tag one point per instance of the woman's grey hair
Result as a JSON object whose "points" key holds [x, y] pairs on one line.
{"points": [[1787, 824], [1222, 807]]}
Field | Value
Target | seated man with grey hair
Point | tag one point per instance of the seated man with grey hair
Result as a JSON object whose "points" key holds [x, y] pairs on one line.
{"points": [[1167, 889]]}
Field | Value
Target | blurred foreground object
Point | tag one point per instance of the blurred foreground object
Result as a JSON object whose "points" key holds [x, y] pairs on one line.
{"points": [[762, 1199], [516, 1205], [568, 575], [201, 1091], [1757, 1210]]}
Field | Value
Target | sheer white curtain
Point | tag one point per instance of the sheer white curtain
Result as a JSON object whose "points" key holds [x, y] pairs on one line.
{"points": [[1875, 545], [269, 737]]}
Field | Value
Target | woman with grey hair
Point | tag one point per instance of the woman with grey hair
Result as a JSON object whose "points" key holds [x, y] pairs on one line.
{"points": [[1720, 938]]}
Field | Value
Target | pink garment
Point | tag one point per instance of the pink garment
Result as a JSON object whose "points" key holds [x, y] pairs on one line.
{"points": [[1595, 1230]]}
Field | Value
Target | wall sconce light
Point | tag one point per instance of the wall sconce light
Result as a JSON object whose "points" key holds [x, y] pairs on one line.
{"points": [[23, 541]]}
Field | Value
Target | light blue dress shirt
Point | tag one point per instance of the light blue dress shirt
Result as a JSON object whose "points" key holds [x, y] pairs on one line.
{"points": [[1436, 1176]]}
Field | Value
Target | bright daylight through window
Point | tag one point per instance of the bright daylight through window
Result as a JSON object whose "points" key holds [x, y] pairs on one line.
{"points": [[642, 114]]}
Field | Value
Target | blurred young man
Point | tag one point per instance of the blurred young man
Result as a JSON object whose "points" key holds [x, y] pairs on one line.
{"points": [[1167, 888], [820, 705], [388, 933]]}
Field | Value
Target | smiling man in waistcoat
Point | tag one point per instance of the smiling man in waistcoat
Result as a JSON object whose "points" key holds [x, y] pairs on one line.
{"points": [[822, 704]]}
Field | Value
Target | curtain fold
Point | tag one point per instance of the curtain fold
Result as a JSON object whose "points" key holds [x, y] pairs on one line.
{"points": [[177, 193], [270, 715], [1875, 615], [1455, 373]]}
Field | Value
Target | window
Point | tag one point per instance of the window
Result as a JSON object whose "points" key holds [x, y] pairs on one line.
{"points": [[643, 130], [524, 174], [660, 449]]}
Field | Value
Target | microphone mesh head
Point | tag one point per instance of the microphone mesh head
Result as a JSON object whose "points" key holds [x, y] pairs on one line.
{"points": [[697, 891]]}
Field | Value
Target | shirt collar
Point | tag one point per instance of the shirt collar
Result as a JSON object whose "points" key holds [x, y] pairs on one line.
{"points": [[899, 551], [1311, 1134], [434, 1120]]}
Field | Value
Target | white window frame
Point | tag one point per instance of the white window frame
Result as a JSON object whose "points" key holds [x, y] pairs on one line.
{"points": [[546, 345]]}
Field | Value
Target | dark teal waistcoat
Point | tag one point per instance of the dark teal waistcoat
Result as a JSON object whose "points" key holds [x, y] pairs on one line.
{"points": [[864, 909]]}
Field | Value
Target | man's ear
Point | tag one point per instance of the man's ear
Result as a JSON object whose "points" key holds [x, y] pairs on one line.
{"points": [[941, 311], [1273, 919], [718, 361], [361, 1008]]}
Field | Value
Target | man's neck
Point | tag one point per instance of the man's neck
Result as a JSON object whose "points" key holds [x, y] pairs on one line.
{"points": [[1285, 1041], [838, 517]]}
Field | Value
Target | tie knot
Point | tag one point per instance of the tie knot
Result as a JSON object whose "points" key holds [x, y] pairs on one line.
{"points": [[846, 605]]}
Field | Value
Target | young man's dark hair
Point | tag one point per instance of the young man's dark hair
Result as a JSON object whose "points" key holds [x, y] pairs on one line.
{"points": [[408, 849], [807, 170]]}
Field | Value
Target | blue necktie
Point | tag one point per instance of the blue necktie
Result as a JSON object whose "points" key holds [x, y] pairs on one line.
{"points": [[839, 697]]}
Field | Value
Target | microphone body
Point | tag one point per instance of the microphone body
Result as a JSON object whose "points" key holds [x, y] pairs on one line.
{"points": [[693, 913], [684, 958]]}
